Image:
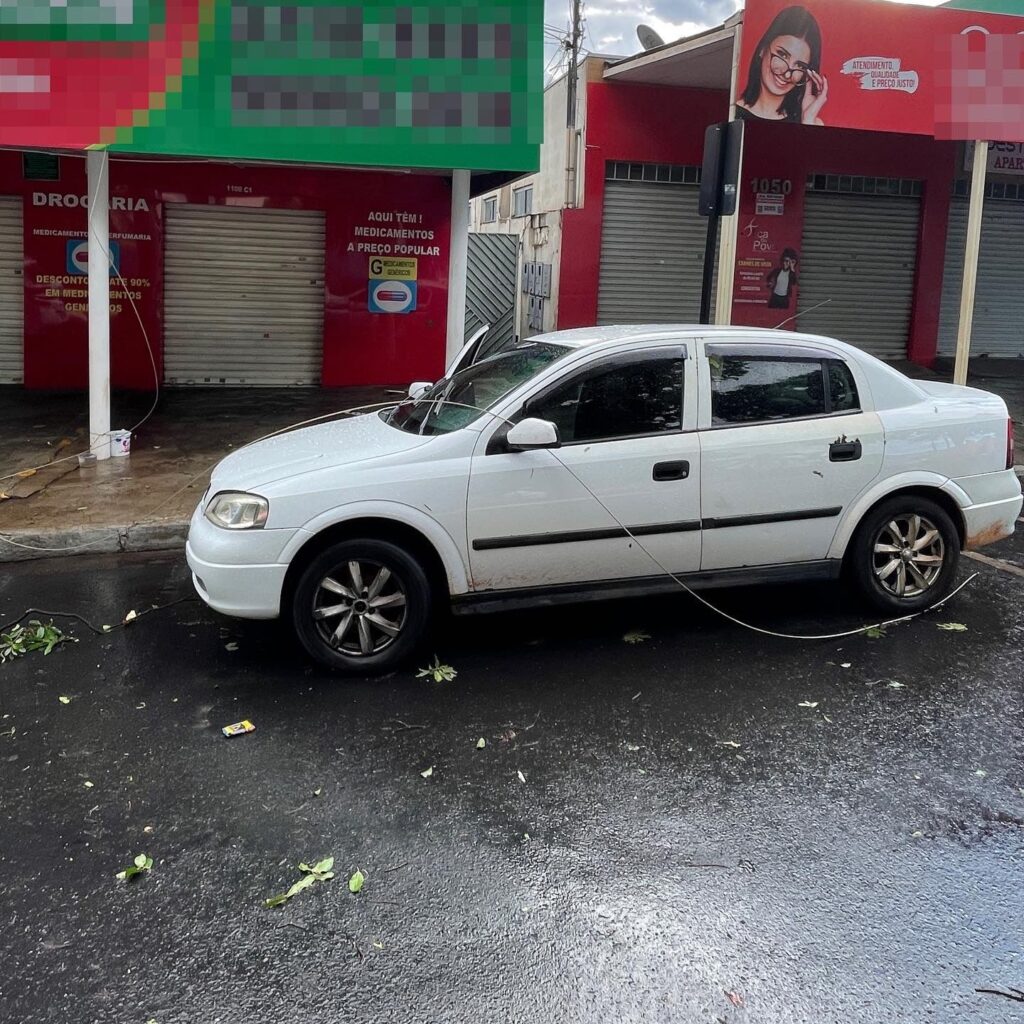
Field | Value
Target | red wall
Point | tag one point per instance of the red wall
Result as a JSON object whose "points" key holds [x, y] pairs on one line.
{"points": [[656, 124], [644, 123], [360, 347]]}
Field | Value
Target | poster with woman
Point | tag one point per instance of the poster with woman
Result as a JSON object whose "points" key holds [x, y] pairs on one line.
{"points": [[784, 80]]}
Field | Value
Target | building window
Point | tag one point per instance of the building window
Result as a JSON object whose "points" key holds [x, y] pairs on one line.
{"points": [[522, 201], [860, 185], [490, 210], [666, 174], [993, 190]]}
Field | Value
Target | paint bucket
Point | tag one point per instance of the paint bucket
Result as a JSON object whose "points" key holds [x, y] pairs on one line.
{"points": [[120, 442]]}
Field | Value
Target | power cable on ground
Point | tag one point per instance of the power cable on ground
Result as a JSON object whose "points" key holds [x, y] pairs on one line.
{"points": [[618, 522]]}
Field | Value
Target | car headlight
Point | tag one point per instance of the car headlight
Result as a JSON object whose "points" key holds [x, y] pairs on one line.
{"points": [[235, 510]]}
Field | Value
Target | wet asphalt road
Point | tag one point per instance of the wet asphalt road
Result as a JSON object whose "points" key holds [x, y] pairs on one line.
{"points": [[686, 829]]}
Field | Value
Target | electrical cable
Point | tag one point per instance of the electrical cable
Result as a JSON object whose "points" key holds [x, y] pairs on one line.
{"points": [[739, 622], [100, 631], [618, 522], [188, 483], [145, 334]]}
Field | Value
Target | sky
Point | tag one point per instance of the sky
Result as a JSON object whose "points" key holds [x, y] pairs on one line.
{"points": [[611, 24]]}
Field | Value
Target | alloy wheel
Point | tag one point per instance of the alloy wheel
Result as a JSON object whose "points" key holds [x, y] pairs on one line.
{"points": [[360, 608], [908, 555]]}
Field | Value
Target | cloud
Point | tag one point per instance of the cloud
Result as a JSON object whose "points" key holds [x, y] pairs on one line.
{"points": [[611, 24]]}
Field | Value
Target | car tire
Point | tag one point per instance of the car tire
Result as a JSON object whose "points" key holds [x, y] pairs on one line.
{"points": [[362, 606], [905, 542]]}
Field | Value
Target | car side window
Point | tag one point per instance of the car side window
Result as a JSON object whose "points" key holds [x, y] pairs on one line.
{"points": [[752, 389], [842, 388], [623, 399]]}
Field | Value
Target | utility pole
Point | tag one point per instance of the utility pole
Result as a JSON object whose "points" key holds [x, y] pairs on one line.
{"points": [[572, 44]]}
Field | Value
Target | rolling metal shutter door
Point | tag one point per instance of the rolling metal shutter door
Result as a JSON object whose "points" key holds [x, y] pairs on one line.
{"points": [[244, 295], [860, 253], [998, 328], [652, 254], [12, 293]]}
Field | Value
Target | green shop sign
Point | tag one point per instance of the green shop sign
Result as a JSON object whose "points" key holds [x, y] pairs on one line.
{"points": [[373, 82]]}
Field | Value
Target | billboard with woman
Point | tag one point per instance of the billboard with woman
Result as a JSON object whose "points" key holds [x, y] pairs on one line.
{"points": [[882, 66]]}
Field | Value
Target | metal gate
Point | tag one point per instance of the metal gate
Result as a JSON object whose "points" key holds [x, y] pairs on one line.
{"points": [[244, 295], [859, 253], [12, 292], [491, 289], [998, 327], [652, 253]]}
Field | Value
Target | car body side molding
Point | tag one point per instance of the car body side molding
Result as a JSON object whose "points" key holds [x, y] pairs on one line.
{"points": [[770, 517], [611, 532], [572, 536]]}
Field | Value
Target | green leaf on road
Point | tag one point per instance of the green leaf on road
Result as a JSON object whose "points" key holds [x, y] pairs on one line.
{"points": [[319, 872], [64, 700], [440, 673], [355, 883], [636, 636], [140, 864], [481, 743], [875, 632], [952, 627]]}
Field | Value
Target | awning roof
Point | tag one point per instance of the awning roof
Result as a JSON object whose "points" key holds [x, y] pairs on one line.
{"points": [[703, 61]]}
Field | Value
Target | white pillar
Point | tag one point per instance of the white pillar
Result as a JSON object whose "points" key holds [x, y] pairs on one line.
{"points": [[971, 248], [98, 169], [728, 227], [458, 262]]}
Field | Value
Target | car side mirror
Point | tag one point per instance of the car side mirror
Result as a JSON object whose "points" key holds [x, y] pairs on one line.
{"points": [[531, 434], [419, 387]]}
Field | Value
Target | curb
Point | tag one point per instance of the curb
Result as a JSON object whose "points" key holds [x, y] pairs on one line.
{"points": [[92, 540]]}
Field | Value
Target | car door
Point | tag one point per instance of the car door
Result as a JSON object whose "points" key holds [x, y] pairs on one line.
{"points": [[787, 443], [629, 457]]}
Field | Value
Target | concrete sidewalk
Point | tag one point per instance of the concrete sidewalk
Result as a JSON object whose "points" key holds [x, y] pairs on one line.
{"points": [[143, 502]]}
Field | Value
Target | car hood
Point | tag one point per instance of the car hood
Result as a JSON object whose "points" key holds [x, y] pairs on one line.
{"points": [[323, 446]]}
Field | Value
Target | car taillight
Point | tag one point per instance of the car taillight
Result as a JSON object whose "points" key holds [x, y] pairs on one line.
{"points": [[1009, 443]]}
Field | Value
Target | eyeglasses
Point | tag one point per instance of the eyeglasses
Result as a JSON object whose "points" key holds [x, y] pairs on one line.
{"points": [[782, 68]]}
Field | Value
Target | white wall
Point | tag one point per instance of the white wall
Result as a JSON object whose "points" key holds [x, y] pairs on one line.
{"points": [[540, 234]]}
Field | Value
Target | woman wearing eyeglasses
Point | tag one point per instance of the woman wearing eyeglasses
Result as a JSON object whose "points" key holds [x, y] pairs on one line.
{"points": [[785, 81]]}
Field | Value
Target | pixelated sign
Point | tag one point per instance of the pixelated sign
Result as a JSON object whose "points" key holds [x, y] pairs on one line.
{"points": [[882, 66], [372, 82]]}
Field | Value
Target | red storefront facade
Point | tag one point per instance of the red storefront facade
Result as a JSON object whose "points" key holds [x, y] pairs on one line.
{"points": [[654, 124], [399, 216]]}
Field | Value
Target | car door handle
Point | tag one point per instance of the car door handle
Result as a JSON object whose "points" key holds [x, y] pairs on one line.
{"points": [[844, 451], [671, 470]]}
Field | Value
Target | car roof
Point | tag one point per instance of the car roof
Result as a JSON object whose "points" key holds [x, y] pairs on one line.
{"points": [[583, 337], [891, 388]]}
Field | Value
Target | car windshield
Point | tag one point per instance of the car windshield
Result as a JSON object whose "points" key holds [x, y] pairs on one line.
{"points": [[456, 401]]}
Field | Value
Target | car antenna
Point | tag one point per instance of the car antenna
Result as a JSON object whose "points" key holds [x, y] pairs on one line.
{"points": [[824, 302]]}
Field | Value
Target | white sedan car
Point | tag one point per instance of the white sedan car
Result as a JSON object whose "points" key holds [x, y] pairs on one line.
{"points": [[592, 463]]}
